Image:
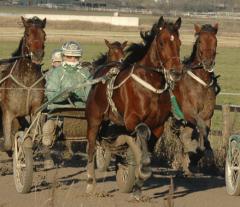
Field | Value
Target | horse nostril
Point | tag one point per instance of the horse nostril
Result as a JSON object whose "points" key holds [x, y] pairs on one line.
{"points": [[176, 74], [207, 62]]}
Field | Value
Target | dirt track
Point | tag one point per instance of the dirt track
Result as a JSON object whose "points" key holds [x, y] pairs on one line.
{"points": [[65, 186]]}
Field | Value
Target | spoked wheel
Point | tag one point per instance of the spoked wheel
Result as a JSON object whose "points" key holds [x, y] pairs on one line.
{"points": [[103, 158], [232, 169], [22, 165], [126, 174]]}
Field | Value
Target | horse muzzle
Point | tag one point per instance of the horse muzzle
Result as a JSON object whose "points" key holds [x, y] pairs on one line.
{"points": [[208, 65], [175, 75], [37, 57]]}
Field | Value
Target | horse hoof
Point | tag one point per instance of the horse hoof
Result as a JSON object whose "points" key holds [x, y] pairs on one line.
{"points": [[137, 194], [90, 188], [9, 153]]}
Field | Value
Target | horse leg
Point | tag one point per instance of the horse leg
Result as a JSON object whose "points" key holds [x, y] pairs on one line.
{"points": [[143, 134], [208, 153], [203, 132], [91, 136], [188, 146], [7, 120]]}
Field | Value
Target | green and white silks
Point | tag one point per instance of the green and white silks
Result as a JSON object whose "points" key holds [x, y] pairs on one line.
{"points": [[176, 111], [64, 77]]}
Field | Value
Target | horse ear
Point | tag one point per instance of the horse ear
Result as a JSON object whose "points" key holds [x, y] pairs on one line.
{"points": [[178, 23], [216, 28], [160, 22], [124, 44], [197, 28], [44, 22], [107, 43], [25, 24]]}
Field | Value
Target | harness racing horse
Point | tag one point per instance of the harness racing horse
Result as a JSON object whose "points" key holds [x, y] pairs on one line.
{"points": [[197, 92], [114, 54], [137, 94], [23, 84]]}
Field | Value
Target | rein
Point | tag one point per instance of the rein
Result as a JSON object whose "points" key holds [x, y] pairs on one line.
{"points": [[9, 60]]}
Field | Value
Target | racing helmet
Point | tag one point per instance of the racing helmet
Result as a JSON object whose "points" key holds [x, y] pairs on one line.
{"points": [[57, 56], [72, 48]]}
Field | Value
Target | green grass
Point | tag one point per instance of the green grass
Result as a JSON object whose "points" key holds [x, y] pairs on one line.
{"points": [[226, 64], [90, 51]]}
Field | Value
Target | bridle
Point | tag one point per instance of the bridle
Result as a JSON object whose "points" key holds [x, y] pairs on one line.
{"points": [[167, 75], [199, 58], [108, 54], [27, 53]]}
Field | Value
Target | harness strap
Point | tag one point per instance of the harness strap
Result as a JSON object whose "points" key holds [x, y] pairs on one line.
{"points": [[10, 75], [109, 94], [199, 80], [149, 86], [111, 87]]}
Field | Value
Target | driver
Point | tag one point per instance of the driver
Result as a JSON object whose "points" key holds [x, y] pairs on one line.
{"points": [[69, 74]]}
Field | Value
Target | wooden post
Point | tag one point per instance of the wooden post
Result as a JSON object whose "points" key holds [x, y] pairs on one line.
{"points": [[226, 132]]}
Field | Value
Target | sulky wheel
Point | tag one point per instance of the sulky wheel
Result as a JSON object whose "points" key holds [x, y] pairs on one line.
{"points": [[22, 165], [103, 158], [232, 169], [126, 173]]}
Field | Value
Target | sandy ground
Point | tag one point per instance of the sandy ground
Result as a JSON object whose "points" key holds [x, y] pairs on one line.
{"points": [[65, 186]]}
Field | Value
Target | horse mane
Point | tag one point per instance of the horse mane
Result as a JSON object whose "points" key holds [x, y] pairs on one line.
{"points": [[102, 59], [116, 44], [190, 59], [18, 51], [204, 28], [208, 28], [136, 51], [35, 21]]}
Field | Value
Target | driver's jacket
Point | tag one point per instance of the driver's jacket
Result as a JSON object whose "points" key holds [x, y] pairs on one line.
{"points": [[63, 77]]}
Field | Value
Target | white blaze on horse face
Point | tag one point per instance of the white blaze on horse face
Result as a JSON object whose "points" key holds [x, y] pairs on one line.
{"points": [[172, 38], [160, 28]]}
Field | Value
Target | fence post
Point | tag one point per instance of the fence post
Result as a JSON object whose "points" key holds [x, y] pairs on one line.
{"points": [[226, 123]]}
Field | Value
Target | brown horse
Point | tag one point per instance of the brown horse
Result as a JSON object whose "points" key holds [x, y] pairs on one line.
{"points": [[23, 88], [196, 91], [114, 54], [139, 90]]}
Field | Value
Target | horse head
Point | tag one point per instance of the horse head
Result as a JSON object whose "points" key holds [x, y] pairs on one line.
{"points": [[116, 51], [167, 44], [206, 45], [34, 38]]}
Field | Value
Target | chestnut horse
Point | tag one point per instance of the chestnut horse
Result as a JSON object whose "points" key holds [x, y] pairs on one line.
{"points": [[139, 91], [196, 92], [114, 54], [23, 88]]}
